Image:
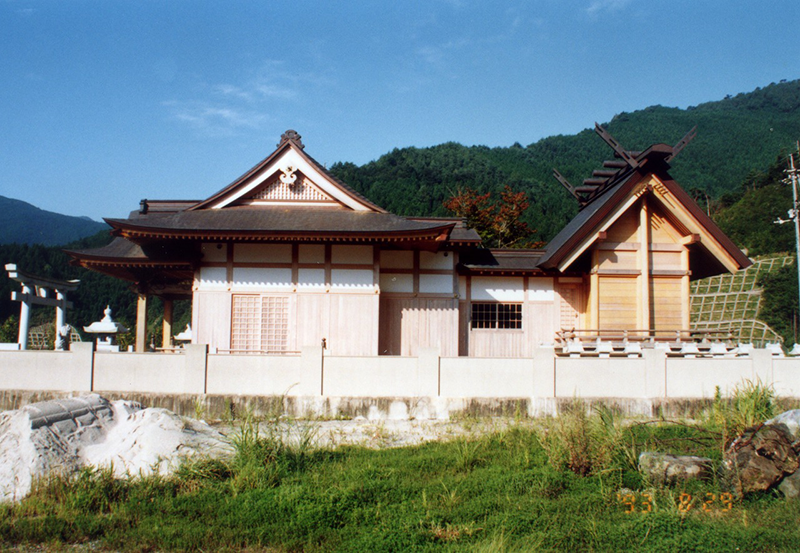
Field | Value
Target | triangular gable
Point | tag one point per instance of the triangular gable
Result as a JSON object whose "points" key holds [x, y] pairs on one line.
{"points": [[289, 186], [275, 181], [589, 226]]}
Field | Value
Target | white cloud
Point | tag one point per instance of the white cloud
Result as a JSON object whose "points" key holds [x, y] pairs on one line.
{"points": [[215, 119], [598, 6], [436, 54], [227, 108], [233, 91], [275, 91]]}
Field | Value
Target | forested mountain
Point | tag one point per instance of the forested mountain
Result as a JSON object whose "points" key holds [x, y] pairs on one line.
{"points": [[22, 223], [735, 136]]}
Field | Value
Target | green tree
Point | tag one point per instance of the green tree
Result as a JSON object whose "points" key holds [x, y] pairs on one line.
{"points": [[779, 304]]}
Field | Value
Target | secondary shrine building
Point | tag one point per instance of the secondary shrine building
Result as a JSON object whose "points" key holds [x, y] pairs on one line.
{"points": [[288, 256]]}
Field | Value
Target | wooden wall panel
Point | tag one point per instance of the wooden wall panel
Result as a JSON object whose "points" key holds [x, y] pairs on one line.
{"points": [[353, 328], [348, 322], [666, 307], [498, 343], [407, 324], [618, 299], [571, 304], [626, 228], [540, 321], [391, 326], [211, 314], [617, 260], [661, 229], [312, 319], [665, 261], [463, 327]]}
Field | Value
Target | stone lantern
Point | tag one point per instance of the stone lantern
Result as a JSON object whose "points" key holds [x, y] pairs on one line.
{"points": [[184, 337], [106, 331]]}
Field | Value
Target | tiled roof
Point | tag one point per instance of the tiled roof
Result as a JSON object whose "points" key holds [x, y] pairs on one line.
{"points": [[277, 219]]}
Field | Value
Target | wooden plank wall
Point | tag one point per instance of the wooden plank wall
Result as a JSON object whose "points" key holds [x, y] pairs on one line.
{"points": [[666, 311], [641, 272], [618, 303], [211, 319], [408, 324], [541, 318]]}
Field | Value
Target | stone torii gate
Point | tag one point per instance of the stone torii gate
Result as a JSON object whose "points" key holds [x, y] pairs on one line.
{"points": [[38, 290]]}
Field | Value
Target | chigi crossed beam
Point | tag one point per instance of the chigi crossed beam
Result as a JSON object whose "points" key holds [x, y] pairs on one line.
{"points": [[625, 162]]}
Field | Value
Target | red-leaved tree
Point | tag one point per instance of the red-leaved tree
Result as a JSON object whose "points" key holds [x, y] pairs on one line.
{"points": [[498, 223]]}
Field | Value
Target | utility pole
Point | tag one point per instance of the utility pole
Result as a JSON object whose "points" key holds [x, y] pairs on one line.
{"points": [[792, 171]]}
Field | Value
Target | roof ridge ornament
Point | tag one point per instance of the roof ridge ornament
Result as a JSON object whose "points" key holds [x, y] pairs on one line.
{"points": [[288, 176], [291, 136]]}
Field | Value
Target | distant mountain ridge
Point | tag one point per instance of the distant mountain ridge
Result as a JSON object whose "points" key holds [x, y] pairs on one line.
{"points": [[23, 223]]}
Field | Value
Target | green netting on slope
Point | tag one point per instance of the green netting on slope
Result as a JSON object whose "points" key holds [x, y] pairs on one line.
{"points": [[731, 302]]}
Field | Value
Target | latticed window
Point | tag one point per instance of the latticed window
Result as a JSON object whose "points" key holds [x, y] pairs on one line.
{"points": [[260, 324], [496, 315]]}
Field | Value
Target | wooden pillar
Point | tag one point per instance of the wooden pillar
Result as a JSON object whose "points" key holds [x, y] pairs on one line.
{"points": [[644, 266], [141, 323], [594, 292], [166, 332], [685, 291]]}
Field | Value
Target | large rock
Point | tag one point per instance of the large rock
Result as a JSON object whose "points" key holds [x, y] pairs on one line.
{"points": [[760, 458], [791, 420], [663, 468], [67, 434]]}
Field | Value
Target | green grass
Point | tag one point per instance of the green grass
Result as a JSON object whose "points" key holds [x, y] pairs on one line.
{"points": [[492, 492]]}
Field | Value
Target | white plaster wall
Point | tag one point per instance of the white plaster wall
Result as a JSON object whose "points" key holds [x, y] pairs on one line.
{"points": [[352, 279], [261, 279], [214, 252], [311, 253], [541, 290], [786, 377], [213, 278], [140, 372], [397, 282], [498, 289], [377, 377], [262, 253], [696, 378], [486, 377], [423, 376], [438, 260], [396, 259], [436, 284], [361, 255], [607, 377], [311, 279], [66, 371], [257, 375]]}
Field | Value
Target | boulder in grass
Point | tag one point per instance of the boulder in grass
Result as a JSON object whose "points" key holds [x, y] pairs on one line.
{"points": [[790, 419], [760, 458], [790, 485], [665, 469]]}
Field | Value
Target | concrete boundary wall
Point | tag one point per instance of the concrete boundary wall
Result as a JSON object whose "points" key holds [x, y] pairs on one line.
{"points": [[312, 374]]}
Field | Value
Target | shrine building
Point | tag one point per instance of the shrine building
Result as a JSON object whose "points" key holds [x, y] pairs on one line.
{"points": [[288, 256]]}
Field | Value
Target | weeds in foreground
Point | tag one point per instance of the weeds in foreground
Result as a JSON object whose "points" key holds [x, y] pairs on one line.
{"points": [[588, 443], [279, 494], [749, 404]]}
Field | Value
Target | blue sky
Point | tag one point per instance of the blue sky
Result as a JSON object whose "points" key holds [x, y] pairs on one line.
{"points": [[105, 102]]}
